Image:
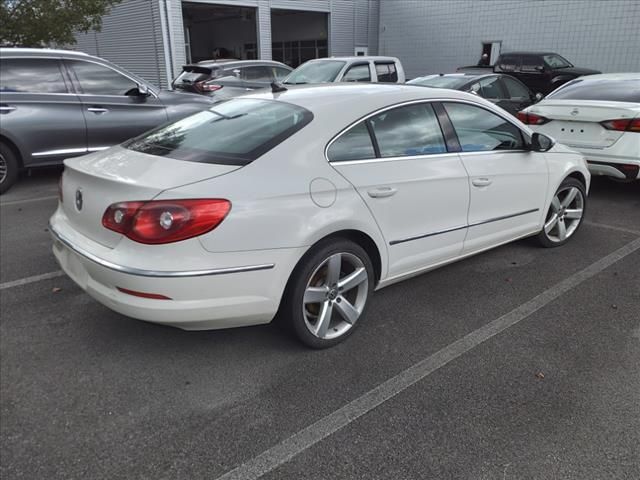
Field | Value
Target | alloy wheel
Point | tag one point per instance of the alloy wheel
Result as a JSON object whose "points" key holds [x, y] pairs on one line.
{"points": [[3, 168], [335, 296], [565, 214]]}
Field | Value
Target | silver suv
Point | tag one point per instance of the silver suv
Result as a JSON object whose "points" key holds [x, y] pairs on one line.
{"points": [[56, 104]]}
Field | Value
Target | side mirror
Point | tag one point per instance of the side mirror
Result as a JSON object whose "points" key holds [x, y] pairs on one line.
{"points": [[540, 142], [143, 90], [539, 68], [236, 72], [538, 96]]}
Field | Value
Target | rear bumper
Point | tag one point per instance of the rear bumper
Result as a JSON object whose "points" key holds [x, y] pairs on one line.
{"points": [[627, 170], [198, 299]]}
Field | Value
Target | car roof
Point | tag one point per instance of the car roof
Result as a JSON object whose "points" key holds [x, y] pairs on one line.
{"points": [[239, 63], [611, 76], [39, 52], [530, 53], [357, 58], [466, 75], [336, 101]]}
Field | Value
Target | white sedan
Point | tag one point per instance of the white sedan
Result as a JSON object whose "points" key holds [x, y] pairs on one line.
{"points": [[303, 202], [597, 115]]}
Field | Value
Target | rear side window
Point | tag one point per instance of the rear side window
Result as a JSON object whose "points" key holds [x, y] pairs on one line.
{"points": [[622, 90], [355, 144], [479, 130], [509, 63], [256, 74], [386, 72], [531, 63], [31, 75], [235, 132], [95, 79], [490, 88], [409, 130]]}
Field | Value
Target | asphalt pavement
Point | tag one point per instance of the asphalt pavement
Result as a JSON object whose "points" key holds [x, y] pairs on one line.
{"points": [[519, 363]]}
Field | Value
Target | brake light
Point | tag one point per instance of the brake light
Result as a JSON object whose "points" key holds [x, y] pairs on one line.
{"points": [[622, 124], [165, 221], [208, 87], [532, 118]]}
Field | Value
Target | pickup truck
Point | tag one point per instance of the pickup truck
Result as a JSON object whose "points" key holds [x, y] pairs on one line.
{"points": [[542, 72]]}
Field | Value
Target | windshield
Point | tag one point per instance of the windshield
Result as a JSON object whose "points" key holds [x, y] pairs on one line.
{"points": [[438, 81], [315, 72], [611, 90], [556, 61], [235, 132]]}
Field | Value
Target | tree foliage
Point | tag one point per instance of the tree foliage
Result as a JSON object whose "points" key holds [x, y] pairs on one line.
{"points": [[40, 23]]}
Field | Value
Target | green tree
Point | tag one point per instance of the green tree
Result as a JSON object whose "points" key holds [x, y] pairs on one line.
{"points": [[40, 23]]}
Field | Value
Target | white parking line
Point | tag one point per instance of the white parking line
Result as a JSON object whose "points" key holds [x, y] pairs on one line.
{"points": [[27, 200], [27, 280], [612, 227], [309, 436]]}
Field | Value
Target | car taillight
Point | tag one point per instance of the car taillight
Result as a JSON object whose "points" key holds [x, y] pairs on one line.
{"points": [[622, 124], [165, 221], [208, 87], [532, 118]]}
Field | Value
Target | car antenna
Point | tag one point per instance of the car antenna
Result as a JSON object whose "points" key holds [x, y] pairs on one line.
{"points": [[277, 88]]}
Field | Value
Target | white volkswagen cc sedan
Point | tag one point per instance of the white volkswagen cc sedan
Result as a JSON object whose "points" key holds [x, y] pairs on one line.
{"points": [[597, 115], [302, 202]]}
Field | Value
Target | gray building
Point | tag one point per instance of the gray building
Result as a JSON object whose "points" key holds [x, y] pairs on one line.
{"points": [[434, 36], [154, 38]]}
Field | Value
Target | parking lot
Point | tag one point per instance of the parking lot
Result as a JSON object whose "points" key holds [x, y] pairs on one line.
{"points": [[518, 363]]}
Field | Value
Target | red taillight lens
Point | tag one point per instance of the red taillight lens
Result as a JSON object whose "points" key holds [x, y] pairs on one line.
{"points": [[165, 221], [208, 87], [135, 293], [622, 124], [532, 118]]}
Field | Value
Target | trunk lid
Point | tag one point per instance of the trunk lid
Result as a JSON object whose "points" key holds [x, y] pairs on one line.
{"points": [[577, 122], [93, 182]]}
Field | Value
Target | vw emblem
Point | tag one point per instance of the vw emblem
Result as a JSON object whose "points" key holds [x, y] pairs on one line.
{"points": [[79, 199], [575, 111]]}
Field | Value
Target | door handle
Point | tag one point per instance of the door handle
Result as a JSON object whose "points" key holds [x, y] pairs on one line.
{"points": [[382, 192], [6, 108], [481, 182], [98, 110]]}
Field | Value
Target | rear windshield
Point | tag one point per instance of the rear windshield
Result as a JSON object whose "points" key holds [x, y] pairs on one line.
{"points": [[192, 74], [235, 132], [315, 72], [441, 81], [621, 90]]}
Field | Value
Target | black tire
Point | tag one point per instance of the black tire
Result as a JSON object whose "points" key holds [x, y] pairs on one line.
{"points": [[9, 168], [297, 314], [546, 238]]}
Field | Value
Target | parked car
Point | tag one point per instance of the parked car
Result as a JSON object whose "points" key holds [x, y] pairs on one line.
{"points": [[348, 69], [305, 201], [542, 72], [223, 79], [55, 104], [599, 116], [502, 90]]}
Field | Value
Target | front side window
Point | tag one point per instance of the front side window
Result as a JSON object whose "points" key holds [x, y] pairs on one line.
{"points": [[515, 89], [31, 75], [556, 61], [95, 79], [408, 130], [357, 73], [256, 74], [479, 130], [280, 73], [355, 144], [386, 72], [323, 71], [235, 132], [490, 88]]}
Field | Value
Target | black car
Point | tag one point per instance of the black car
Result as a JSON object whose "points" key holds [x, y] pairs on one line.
{"points": [[56, 104], [542, 72], [229, 78], [503, 90]]}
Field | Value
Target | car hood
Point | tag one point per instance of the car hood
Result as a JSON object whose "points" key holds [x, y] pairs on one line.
{"points": [[168, 97], [578, 71]]}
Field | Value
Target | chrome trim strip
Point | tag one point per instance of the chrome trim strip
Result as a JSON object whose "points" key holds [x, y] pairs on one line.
{"points": [[453, 229], [418, 237], [394, 159], [97, 149], [504, 217], [63, 151], [153, 273]]}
